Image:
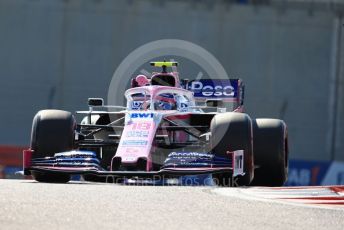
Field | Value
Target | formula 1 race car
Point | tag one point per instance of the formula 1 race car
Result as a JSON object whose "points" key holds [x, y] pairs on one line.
{"points": [[169, 128]]}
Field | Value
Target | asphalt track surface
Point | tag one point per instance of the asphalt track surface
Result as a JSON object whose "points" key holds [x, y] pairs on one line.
{"points": [[80, 205]]}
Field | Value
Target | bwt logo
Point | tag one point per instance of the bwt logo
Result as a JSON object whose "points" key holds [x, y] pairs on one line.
{"points": [[142, 115], [208, 90]]}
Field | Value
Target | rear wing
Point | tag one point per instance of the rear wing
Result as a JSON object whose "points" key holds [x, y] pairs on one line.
{"points": [[221, 93]]}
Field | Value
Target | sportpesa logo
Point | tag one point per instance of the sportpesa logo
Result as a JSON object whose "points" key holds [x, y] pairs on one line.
{"points": [[213, 88]]}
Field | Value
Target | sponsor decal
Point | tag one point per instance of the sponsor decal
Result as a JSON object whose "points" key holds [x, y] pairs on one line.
{"points": [[135, 142], [129, 158], [306, 173], [132, 133], [334, 174], [238, 167], [136, 105], [214, 88], [191, 155], [132, 150], [195, 159], [238, 162], [142, 115], [340, 178]]}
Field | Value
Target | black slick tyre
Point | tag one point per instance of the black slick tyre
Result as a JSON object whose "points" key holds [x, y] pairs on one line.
{"points": [[229, 132], [52, 132]]}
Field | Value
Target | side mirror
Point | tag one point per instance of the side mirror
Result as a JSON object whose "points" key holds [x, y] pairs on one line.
{"points": [[95, 102]]}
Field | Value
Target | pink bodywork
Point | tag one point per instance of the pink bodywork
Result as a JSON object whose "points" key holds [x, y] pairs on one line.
{"points": [[141, 126], [137, 140]]}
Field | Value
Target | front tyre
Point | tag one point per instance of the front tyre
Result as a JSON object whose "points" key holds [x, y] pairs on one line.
{"points": [[52, 132], [229, 132]]}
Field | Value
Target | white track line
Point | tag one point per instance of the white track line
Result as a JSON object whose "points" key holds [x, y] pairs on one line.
{"points": [[314, 197]]}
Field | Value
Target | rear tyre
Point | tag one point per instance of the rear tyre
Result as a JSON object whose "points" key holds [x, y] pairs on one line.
{"points": [[52, 132], [229, 132], [270, 146]]}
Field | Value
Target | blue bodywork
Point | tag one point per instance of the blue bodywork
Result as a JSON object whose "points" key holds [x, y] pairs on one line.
{"points": [[69, 159], [195, 160]]}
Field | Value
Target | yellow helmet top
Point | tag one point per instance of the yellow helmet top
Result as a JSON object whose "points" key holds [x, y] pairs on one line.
{"points": [[164, 63]]}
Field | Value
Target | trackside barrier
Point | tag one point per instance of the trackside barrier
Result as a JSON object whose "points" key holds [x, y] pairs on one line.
{"points": [[307, 173]]}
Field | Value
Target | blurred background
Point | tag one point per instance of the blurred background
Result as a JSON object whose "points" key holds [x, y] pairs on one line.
{"points": [[290, 54]]}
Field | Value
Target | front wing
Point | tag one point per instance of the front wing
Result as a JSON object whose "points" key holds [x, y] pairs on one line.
{"points": [[130, 174], [84, 163]]}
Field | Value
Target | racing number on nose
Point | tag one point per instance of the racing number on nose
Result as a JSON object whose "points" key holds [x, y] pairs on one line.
{"points": [[141, 126]]}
